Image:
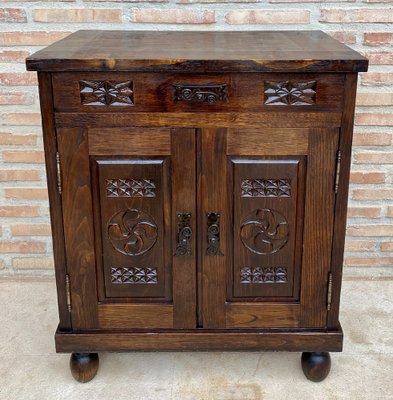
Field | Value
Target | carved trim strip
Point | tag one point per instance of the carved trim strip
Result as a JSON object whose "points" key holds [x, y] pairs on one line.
{"points": [[213, 234], [134, 275], [184, 234], [106, 93], [210, 94], [130, 188], [289, 93], [266, 188], [263, 275]]}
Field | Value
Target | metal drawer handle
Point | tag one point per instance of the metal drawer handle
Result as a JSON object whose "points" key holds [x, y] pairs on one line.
{"points": [[213, 234], [210, 94], [184, 234]]}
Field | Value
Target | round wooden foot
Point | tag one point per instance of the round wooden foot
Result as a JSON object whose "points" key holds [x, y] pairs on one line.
{"points": [[316, 366], [84, 366]]}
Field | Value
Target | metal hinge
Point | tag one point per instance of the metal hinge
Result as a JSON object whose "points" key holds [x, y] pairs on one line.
{"points": [[68, 292], [329, 291], [338, 166], [58, 169]]}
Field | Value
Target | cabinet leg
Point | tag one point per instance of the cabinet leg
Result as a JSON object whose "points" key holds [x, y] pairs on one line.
{"points": [[316, 366], [84, 366]]}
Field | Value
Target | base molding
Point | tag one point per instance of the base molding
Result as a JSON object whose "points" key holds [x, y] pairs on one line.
{"points": [[200, 340]]}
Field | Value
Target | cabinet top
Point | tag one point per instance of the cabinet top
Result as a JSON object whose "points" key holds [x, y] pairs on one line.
{"points": [[257, 51]]}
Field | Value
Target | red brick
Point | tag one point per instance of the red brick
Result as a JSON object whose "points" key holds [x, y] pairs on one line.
{"points": [[213, 1], [364, 212], [368, 261], [77, 15], [13, 55], [344, 37], [173, 16], [367, 15], [19, 175], [367, 177], [374, 119], [19, 98], [372, 194], [377, 79], [268, 17], [33, 263], [378, 38], [311, 1], [370, 230], [21, 119], [22, 247], [11, 139], [373, 158], [374, 99], [21, 156], [372, 139], [26, 193], [30, 38], [12, 15], [359, 245], [379, 57], [31, 230], [387, 246], [390, 212], [18, 79], [19, 211]]}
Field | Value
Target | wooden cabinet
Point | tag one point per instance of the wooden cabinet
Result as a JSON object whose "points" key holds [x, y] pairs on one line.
{"points": [[198, 194]]}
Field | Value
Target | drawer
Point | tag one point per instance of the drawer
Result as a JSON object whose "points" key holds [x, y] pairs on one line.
{"points": [[229, 92]]}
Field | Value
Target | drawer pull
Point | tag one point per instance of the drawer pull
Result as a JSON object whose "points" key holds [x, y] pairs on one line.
{"points": [[209, 94], [213, 234], [184, 234]]}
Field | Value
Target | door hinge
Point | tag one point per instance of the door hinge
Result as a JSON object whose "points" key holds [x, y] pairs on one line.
{"points": [[338, 166], [58, 169], [329, 291], [68, 292]]}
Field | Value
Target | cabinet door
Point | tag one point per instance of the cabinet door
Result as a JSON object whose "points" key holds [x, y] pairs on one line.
{"points": [[267, 202], [128, 198]]}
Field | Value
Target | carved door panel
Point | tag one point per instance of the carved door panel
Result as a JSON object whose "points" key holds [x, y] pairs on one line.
{"points": [[274, 192], [129, 212]]}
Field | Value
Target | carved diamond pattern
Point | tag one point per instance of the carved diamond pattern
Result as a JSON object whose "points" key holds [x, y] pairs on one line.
{"points": [[266, 188], [134, 275], [130, 188], [99, 93], [263, 275], [290, 93]]}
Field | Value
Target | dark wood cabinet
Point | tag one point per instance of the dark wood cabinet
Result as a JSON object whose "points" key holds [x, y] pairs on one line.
{"points": [[198, 193]]}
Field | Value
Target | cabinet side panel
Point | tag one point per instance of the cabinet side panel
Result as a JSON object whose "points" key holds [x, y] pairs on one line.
{"points": [[318, 226], [346, 134], [50, 146], [78, 228]]}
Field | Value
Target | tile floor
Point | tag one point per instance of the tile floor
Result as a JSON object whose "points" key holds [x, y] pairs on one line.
{"points": [[30, 368]]}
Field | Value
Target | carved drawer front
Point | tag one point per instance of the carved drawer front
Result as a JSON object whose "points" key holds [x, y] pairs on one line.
{"points": [[131, 92]]}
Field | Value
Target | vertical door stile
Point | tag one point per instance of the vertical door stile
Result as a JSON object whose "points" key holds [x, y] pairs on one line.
{"points": [[78, 227], [183, 143], [214, 187]]}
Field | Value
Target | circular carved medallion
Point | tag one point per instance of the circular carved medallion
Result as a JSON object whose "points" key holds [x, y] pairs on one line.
{"points": [[132, 232], [264, 231]]}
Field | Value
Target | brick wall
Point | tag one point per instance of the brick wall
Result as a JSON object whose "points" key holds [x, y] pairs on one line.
{"points": [[26, 26]]}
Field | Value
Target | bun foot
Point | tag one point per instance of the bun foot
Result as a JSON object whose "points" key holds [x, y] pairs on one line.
{"points": [[316, 366], [84, 366]]}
